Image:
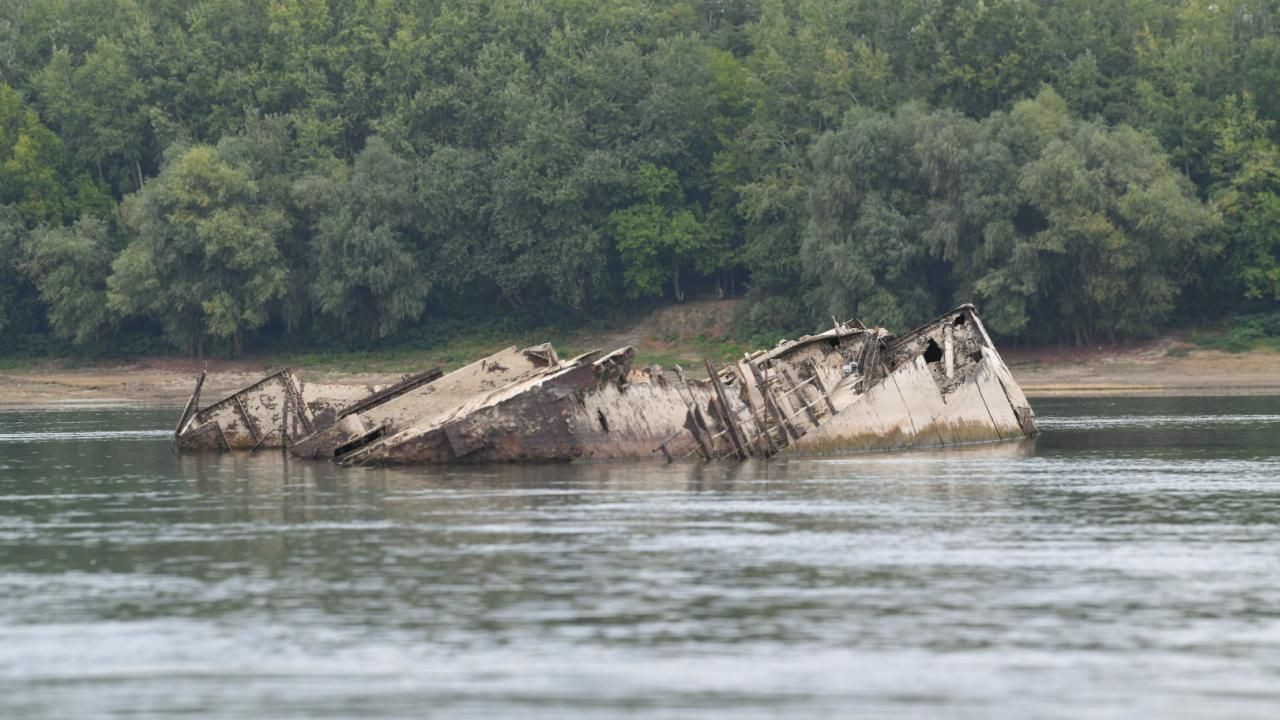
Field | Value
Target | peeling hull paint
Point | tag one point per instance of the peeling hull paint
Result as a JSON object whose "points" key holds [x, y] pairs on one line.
{"points": [[848, 389], [263, 415]]}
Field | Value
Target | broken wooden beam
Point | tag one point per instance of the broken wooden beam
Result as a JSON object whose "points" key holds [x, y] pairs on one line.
{"points": [[796, 389], [193, 405], [725, 410], [822, 388], [762, 429]]}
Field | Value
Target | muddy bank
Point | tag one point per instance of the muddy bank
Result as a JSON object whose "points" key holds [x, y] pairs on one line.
{"points": [[1165, 367], [168, 384], [1149, 369]]}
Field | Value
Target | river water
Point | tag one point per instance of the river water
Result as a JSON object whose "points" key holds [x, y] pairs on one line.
{"points": [[1124, 564]]}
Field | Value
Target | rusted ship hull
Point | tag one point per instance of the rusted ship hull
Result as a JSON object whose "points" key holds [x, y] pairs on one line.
{"points": [[848, 389]]}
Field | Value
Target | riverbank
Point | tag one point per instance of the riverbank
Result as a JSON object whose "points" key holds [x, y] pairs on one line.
{"points": [[1166, 367], [676, 334], [154, 382], [1163, 367]]}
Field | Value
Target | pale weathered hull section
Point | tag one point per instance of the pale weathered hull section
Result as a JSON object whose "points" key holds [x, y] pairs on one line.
{"points": [[263, 415], [923, 403], [908, 409], [526, 421], [368, 421], [849, 389]]}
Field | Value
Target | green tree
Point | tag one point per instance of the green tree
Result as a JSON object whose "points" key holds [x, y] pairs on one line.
{"points": [[863, 253], [203, 260], [98, 108], [268, 149], [981, 54], [365, 275], [16, 295], [450, 155], [69, 266], [1052, 222], [656, 236], [1246, 164], [32, 163], [907, 210], [1121, 229], [805, 70]]}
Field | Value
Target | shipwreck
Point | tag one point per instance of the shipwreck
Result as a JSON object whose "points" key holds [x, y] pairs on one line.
{"points": [[848, 389]]}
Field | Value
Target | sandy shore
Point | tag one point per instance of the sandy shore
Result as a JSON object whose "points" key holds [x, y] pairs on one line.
{"points": [[166, 384], [1160, 368], [1142, 370]]}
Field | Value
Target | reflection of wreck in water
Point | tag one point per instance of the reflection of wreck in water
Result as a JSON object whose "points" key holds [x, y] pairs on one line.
{"points": [[845, 390]]}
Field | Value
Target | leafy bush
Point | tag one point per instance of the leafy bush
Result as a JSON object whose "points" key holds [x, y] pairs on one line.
{"points": [[1245, 333], [768, 316]]}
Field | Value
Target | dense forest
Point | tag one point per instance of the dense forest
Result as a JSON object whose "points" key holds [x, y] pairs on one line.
{"points": [[221, 175]]}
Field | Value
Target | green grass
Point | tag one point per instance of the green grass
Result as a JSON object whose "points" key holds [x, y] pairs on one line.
{"points": [[665, 360], [1242, 334]]}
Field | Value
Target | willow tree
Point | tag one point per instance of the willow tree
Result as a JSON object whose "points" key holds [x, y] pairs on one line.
{"points": [[1120, 230], [366, 278], [69, 266], [906, 210], [203, 260], [1081, 228]]}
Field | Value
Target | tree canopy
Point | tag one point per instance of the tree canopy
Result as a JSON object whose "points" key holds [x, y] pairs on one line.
{"points": [[228, 171]]}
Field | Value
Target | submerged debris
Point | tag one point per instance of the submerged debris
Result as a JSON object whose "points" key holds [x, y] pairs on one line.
{"points": [[850, 388]]}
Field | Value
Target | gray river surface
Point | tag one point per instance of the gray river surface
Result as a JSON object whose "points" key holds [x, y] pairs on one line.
{"points": [[1125, 564]]}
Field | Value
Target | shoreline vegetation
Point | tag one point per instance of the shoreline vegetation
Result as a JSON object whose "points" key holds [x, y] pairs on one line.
{"points": [[245, 179], [1183, 364]]}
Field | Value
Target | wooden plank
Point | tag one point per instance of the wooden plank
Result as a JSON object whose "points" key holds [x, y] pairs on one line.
{"points": [[284, 427], [665, 452], [726, 411], [691, 423], [804, 408], [693, 420], [762, 430], [404, 386], [822, 388], [739, 448], [795, 388], [771, 402], [193, 405], [299, 404]]}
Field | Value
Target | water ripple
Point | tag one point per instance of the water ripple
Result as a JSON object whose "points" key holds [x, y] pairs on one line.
{"points": [[1121, 565], [82, 435]]}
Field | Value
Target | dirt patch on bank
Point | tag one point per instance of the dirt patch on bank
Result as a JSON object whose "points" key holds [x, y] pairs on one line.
{"points": [[1166, 366], [146, 384], [670, 329]]}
